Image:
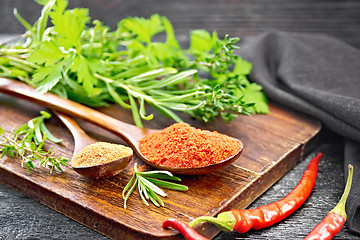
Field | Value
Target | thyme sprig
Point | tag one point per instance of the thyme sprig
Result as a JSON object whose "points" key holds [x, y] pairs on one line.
{"points": [[27, 142], [149, 184]]}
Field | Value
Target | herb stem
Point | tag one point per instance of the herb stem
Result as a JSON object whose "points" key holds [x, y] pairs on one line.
{"points": [[10, 51], [128, 88], [18, 59]]}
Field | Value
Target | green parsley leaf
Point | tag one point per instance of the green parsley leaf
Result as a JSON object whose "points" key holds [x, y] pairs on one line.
{"points": [[69, 26], [242, 67], [85, 67], [252, 93], [201, 41], [144, 29], [47, 77], [48, 53]]}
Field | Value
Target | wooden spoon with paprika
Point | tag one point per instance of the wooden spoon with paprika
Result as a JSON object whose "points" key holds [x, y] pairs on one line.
{"points": [[129, 133]]}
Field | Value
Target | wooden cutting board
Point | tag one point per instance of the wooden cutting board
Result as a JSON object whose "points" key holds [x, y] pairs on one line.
{"points": [[274, 144]]}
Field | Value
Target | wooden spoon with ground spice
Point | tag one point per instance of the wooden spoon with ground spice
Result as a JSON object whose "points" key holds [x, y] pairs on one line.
{"points": [[132, 135], [92, 158], [188, 150]]}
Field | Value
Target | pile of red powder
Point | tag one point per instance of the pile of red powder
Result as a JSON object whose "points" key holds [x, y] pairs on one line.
{"points": [[181, 145]]}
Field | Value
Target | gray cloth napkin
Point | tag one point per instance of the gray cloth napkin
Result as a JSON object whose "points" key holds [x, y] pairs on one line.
{"points": [[317, 75]]}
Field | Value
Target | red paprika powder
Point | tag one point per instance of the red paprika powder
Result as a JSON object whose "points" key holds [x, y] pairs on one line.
{"points": [[181, 145]]}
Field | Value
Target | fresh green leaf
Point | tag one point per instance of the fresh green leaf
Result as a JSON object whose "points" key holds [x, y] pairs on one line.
{"points": [[85, 68], [170, 33], [159, 175], [29, 165], [149, 186], [252, 94], [135, 112], [129, 192], [47, 77], [155, 199], [45, 114], [242, 67], [38, 133], [173, 79], [201, 41], [128, 185], [69, 25], [49, 135], [143, 28], [152, 74], [142, 191], [142, 111], [168, 185], [116, 96], [48, 53], [166, 112]]}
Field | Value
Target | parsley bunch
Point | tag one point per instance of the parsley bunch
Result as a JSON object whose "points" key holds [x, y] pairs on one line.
{"points": [[85, 61], [27, 142]]}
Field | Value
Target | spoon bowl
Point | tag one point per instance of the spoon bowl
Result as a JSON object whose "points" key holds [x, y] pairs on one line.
{"points": [[199, 170], [129, 133], [105, 170], [83, 140]]}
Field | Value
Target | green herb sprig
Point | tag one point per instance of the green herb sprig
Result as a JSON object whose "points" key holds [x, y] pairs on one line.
{"points": [[27, 143], [149, 184], [87, 62]]}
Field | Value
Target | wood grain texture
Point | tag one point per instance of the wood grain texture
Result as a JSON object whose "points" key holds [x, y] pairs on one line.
{"points": [[274, 144]]}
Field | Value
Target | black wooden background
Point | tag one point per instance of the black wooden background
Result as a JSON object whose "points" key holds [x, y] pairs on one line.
{"points": [[24, 218], [339, 18]]}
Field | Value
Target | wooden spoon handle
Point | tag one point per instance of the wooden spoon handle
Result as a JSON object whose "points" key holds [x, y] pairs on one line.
{"points": [[80, 136], [129, 133]]}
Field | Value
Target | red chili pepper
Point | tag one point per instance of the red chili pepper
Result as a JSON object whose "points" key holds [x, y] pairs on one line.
{"points": [[267, 215], [188, 232], [335, 219]]}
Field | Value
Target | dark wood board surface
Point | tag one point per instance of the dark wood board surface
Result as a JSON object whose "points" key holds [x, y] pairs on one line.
{"points": [[274, 144]]}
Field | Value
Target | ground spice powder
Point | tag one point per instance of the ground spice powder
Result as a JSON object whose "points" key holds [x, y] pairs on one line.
{"points": [[100, 153], [181, 145]]}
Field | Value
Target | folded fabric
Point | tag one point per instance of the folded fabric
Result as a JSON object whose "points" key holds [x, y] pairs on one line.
{"points": [[317, 75]]}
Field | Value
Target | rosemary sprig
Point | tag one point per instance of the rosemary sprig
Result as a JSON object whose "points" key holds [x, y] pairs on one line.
{"points": [[149, 184], [27, 142]]}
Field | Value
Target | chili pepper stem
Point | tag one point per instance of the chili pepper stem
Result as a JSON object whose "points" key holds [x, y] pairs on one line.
{"points": [[339, 209], [224, 221]]}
